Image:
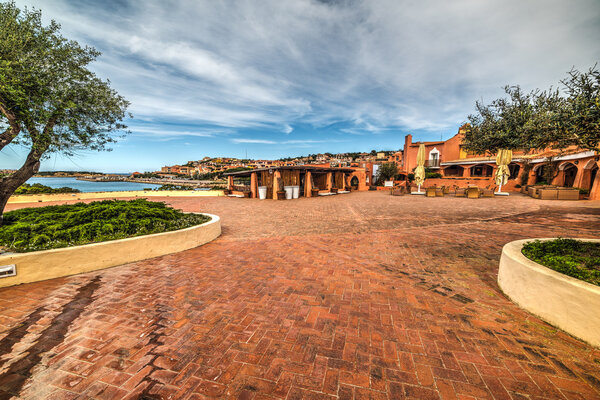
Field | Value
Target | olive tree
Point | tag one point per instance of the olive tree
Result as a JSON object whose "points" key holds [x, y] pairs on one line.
{"points": [[386, 171], [540, 119], [502, 124], [50, 101]]}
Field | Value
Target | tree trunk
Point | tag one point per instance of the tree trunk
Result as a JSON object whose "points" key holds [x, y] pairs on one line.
{"points": [[9, 184]]}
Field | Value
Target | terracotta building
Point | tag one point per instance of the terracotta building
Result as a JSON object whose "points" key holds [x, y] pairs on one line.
{"points": [[312, 180], [574, 167]]}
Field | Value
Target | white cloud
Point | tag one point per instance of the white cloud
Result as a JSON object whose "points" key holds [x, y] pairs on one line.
{"points": [[287, 129], [253, 141], [374, 64]]}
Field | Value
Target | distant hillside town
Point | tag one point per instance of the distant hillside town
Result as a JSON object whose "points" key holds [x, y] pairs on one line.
{"points": [[211, 168], [447, 163]]}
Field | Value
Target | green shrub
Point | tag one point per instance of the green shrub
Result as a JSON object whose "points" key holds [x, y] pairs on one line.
{"points": [[38, 188], [32, 229], [175, 187], [582, 190], [571, 257]]}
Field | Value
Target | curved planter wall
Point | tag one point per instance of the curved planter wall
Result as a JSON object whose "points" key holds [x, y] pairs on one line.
{"points": [[48, 264], [565, 302]]}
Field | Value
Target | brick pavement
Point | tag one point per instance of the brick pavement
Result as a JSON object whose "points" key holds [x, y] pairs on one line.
{"points": [[356, 296]]}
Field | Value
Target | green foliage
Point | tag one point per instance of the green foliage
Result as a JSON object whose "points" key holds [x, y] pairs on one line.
{"points": [[38, 188], [525, 173], [45, 82], [31, 229], [582, 190], [500, 124], [50, 101], [175, 187], [571, 257], [148, 175], [432, 175], [385, 172], [540, 119]]}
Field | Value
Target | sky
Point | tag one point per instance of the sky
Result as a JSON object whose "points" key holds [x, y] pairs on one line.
{"points": [[266, 79]]}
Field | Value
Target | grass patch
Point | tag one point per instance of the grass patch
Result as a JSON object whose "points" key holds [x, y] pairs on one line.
{"points": [[38, 188], [51, 227], [571, 257]]}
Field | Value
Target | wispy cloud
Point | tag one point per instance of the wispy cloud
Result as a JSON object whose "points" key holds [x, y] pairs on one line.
{"points": [[287, 129], [301, 142], [279, 77], [234, 65], [253, 141]]}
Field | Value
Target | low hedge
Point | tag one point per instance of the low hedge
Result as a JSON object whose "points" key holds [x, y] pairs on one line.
{"points": [[32, 229], [571, 257], [38, 188]]}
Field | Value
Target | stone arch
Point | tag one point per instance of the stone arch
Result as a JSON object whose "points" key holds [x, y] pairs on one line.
{"points": [[515, 170], [454, 170], [591, 164], [483, 170], [537, 166], [564, 165], [538, 171], [569, 171], [590, 171]]}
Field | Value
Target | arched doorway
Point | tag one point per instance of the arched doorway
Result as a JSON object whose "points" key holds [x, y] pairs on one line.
{"points": [[483, 170], [453, 170], [540, 173], [354, 183], [593, 173], [514, 170], [569, 174]]}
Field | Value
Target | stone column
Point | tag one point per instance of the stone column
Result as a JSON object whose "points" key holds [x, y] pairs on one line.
{"points": [[466, 171], [307, 184], [276, 176], [329, 181], [559, 180], [230, 182], [253, 185], [579, 177], [595, 186]]}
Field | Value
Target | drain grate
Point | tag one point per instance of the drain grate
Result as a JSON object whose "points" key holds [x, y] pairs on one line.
{"points": [[8, 270]]}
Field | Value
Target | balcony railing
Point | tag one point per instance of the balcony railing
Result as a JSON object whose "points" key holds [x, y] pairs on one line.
{"points": [[433, 163]]}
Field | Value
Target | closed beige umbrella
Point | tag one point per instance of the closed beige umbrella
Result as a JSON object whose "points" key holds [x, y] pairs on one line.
{"points": [[420, 170], [503, 158]]}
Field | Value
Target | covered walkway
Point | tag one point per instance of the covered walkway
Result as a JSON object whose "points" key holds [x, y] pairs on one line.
{"points": [[309, 181]]}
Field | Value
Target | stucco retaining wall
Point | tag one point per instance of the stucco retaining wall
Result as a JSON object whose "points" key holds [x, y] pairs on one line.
{"points": [[35, 198], [48, 264], [565, 302]]}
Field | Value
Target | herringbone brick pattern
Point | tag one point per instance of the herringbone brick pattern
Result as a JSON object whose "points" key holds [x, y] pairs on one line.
{"points": [[360, 296]]}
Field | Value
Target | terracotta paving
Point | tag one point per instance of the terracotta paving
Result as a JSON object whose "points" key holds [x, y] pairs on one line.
{"points": [[359, 296]]}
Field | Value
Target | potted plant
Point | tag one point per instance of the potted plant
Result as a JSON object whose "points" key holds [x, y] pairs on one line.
{"points": [[314, 192], [334, 190], [281, 195], [583, 193]]}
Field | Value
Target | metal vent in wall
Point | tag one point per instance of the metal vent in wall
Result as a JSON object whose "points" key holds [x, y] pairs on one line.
{"points": [[8, 270]]}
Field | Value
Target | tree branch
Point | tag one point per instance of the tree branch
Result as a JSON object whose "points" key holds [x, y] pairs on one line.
{"points": [[14, 128]]}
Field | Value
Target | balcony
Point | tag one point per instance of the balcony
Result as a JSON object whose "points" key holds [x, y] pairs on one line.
{"points": [[433, 163]]}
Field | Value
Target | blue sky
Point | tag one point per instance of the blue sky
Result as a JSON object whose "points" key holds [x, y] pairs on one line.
{"points": [[276, 78]]}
